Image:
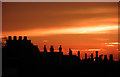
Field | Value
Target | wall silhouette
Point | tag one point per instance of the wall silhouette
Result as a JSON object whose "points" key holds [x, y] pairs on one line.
{"points": [[21, 58]]}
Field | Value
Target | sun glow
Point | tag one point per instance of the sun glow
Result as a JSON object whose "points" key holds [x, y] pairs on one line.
{"points": [[92, 49], [111, 44], [79, 30]]}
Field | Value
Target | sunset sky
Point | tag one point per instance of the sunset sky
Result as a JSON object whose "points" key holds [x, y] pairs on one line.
{"points": [[87, 26]]}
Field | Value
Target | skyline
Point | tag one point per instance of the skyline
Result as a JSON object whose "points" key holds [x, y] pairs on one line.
{"points": [[20, 56], [23, 46], [78, 26]]}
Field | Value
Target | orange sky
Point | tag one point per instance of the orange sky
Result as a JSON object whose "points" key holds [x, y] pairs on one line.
{"points": [[80, 26]]}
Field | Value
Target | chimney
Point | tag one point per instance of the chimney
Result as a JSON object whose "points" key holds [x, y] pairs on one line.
{"points": [[105, 57], [70, 51], [100, 57], [52, 49], [85, 56], [91, 55], [9, 38], [96, 54], [45, 49], [78, 54], [111, 57], [20, 37], [60, 49], [14, 38], [25, 37]]}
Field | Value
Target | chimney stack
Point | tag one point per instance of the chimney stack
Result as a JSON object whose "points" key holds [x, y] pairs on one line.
{"points": [[111, 57], [105, 57], [91, 55], [25, 37], [85, 56], [60, 49], [45, 49], [20, 37], [51, 49], [9, 38], [96, 54], [100, 57], [78, 54], [15, 38], [70, 51]]}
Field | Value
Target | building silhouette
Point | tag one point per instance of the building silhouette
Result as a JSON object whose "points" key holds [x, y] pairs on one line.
{"points": [[70, 51], [45, 49], [78, 54], [92, 57], [21, 59], [111, 57], [20, 47], [96, 56], [85, 56], [51, 49]]}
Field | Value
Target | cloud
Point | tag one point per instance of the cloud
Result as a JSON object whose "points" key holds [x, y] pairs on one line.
{"points": [[93, 49], [57, 15], [111, 44], [80, 30]]}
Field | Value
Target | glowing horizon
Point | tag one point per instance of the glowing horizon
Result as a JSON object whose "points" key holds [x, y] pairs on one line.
{"points": [[82, 30]]}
